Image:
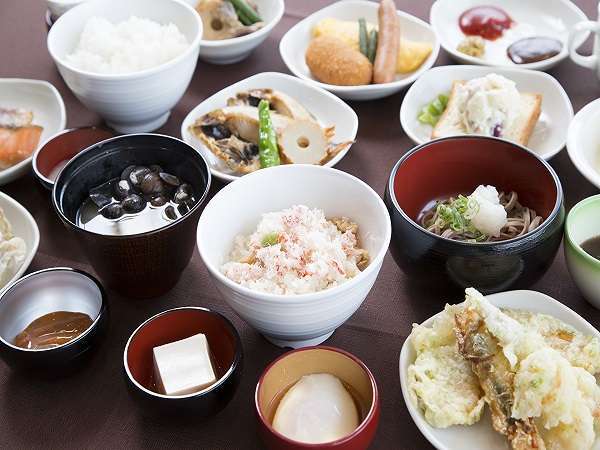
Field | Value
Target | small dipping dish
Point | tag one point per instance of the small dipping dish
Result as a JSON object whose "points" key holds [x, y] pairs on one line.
{"points": [[51, 157], [286, 370], [174, 325], [43, 292], [146, 264], [582, 224]]}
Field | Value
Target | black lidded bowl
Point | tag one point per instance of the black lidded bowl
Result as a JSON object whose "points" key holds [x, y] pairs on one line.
{"points": [[142, 265], [445, 167]]}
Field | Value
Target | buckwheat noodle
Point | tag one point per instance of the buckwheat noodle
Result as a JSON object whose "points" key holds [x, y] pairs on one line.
{"points": [[520, 220]]}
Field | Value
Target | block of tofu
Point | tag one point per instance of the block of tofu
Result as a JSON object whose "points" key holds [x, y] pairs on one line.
{"points": [[183, 367]]}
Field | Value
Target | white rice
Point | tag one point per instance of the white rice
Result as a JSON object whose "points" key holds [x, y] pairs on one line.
{"points": [[310, 255], [130, 46]]}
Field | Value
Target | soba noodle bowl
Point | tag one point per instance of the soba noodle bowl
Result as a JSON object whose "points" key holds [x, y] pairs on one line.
{"points": [[453, 218]]}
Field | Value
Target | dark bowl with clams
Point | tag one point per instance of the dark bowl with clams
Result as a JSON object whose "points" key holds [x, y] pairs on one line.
{"points": [[134, 202], [449, 166]]}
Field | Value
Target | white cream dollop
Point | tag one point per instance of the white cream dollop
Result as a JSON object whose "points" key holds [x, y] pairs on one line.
{"points": [[488, 105], [488, 215]]}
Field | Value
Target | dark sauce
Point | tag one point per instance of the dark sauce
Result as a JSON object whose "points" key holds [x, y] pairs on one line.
{"points": [[533, 49], [592, 247], [489, 22]]}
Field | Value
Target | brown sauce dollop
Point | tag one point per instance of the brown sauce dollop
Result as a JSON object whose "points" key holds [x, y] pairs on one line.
{"points": [[53, 329], [533, 49]]}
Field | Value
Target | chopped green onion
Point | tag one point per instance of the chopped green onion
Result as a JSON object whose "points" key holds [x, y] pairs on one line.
{"points": [[270, 239], [430, 114]]}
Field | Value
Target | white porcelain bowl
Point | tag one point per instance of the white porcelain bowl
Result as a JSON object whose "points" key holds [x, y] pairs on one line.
{"points": [[229, 51], [294, 43], [58, 7], [327, 109], [305, 319], [550, 133], [46, 104], [583, 142], [23, 225], [134, 102], [481, 435], [550, 18]]}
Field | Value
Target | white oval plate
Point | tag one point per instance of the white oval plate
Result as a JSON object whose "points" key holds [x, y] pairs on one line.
{"points": [[48, 108], [24, 226], [583, 142], [327, 109], [481, 435], [552, 18], [294, 43], [550, 132]]}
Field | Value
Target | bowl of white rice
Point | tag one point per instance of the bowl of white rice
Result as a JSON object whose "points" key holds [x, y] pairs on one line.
{"points": [[278, 250], [128, 62]]}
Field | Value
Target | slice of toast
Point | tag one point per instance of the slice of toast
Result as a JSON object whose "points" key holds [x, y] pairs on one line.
{"points": [[450, 121]]}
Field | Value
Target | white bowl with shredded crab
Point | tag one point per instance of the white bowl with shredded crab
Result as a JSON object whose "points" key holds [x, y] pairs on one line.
{"points": [[294, 309]]}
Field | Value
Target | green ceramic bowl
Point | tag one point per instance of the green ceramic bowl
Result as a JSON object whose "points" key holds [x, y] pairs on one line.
{"points": [[583, 223]]}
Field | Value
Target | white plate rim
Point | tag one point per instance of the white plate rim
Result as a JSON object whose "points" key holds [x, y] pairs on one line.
{"points": [[267, 75], [5, 198], [393, 86], [502, 70], [498, 299], [539, 65], [577, 158], [10, 171]]}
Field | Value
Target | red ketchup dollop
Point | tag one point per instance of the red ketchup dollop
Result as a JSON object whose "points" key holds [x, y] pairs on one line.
{"points": [[489, 22]]}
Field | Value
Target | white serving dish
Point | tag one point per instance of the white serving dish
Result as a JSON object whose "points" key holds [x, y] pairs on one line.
{"points": [[550, 18], [58, 7], [481, 435], [327, 109], [583, 142], [550, 133], [305, 319], [48, 108], [294, 43], [139, 101], [23, 226], [229, 51]]}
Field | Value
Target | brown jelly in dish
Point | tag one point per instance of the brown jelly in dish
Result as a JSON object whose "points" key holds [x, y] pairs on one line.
{"points": [[592, 247], [533, 49], [489, 22], [53, 329]]}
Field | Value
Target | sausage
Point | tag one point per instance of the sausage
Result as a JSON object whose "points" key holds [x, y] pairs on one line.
{"points": [[332, 61], [388, 43]]}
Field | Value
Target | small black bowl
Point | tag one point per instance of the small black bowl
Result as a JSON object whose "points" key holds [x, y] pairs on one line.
{"points": [[142, 265], [43, 292], [173, 325], [445, 167]]}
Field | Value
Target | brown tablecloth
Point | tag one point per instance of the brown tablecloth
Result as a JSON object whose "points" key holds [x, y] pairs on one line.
{"points": [[92, 408]]}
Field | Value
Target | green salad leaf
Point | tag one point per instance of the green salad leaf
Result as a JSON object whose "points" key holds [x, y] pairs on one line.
{"points": [[270, 239]]}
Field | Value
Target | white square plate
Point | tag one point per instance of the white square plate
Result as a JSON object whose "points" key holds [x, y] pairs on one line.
{"points": [[481, 435], [327, 109], [41, 98], [550, 18], [294, 43], [550, 133]]}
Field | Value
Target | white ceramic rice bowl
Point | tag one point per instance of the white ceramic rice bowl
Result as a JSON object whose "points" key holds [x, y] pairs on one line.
{"points": [[293, 320], [134, 102]]}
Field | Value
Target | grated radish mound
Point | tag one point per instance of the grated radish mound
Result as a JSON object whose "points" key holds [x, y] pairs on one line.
{"points": [[130, 46], [294, 251]]}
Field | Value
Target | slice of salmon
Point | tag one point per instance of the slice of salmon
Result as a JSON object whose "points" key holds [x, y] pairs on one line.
{"points": [[17, 144]]}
